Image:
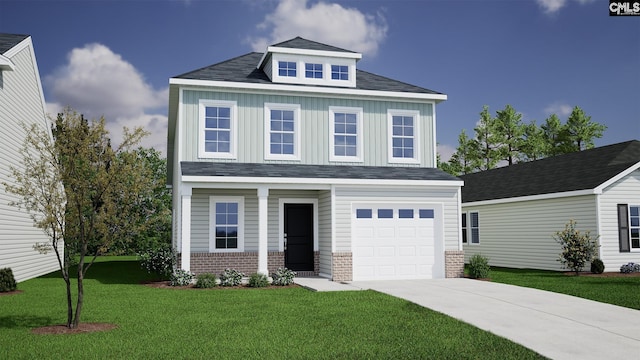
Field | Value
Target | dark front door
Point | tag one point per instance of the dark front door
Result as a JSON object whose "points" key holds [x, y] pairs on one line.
{"points": [[298, 237]]}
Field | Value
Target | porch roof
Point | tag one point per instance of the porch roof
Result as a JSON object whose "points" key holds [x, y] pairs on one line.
{"points": [[190, 168]]}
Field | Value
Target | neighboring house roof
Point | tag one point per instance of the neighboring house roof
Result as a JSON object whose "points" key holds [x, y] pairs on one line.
{"points": [[312, 171], [300, 43], [583, 170], [8, 41]]}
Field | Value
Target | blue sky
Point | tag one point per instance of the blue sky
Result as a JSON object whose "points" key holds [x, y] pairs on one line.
{"points": [[115, 58]]}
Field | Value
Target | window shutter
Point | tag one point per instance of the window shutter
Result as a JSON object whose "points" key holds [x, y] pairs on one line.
{"points": [[623, 227]]}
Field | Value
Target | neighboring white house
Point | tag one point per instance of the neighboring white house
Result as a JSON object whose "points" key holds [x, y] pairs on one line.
{"points": [[294, 157], [510, 214], [21, 100]]}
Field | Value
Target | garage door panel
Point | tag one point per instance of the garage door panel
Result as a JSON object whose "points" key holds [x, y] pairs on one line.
{"points": [[408, 231], [386, 251], [386, 270], [385, 232], [407, 251]]}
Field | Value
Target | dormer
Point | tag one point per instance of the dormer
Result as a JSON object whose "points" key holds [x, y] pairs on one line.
{"points": [[305, 62]]}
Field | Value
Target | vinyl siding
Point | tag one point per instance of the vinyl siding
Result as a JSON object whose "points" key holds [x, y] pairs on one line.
{"points": [[346, 196], [324, 231], [314, 127], [20, 101], [623, 191], [520, 234]]}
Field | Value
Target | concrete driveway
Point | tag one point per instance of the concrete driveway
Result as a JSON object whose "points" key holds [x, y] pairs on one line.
{"points": [[555, 325]]}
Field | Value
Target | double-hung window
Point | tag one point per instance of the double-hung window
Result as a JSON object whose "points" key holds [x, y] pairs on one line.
{"points": [[313, 71], [287, 68], [629, 227], [345, 142], [465, 229], [217, 129], [282, 131], [339, 72], [403, 136], [471, 228], [227, 224]]}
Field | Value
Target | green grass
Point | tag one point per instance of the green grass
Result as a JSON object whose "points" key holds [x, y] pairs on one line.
{"points": [[622, 291], [281, 323]]}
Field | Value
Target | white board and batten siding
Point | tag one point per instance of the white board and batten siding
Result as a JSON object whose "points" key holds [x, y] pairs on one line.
{"points": [[623, 191], [520, 234], [21, 100]]}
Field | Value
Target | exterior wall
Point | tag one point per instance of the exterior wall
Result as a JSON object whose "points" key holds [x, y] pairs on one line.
{"points": [[342, 266], [623, 191], [520, 234], [246, 262], [314, 127], [324, 232], [20, 101], [454, 264]]}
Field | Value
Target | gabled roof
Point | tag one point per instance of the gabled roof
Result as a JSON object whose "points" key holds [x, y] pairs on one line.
{"points": [[583, 170], [243, 69], [300, 43], [313, 171], [8, 41]]}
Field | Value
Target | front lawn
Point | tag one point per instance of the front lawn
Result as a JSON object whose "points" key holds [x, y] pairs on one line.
{"points": [[283, 323], [620, 290]]}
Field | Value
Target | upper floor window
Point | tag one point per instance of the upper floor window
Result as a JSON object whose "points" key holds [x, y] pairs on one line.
{"points": [[227, 231], [282, 135], [339, 72], [217, 129], [287, 68], [313, 71], [345, 142], [403, 136]]}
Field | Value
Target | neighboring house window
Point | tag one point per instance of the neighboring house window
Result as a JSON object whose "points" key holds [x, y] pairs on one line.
{"points": [[282, 138], [465, 229], [217, 129], [313, 71], [403, 141], [628, 227], [287, 68], [474, 227], [227, 225], [345, 142], [339, 72]]}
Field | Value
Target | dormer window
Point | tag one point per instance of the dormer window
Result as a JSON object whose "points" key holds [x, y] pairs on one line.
{"points": [[287, 68], [313, 71], [339, 72]]}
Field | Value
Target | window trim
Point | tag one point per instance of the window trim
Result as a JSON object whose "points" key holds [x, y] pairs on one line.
{"points": [[416, 136], [233, 136], [213, 200], [296, 131], [359, 138], [468, 230]]}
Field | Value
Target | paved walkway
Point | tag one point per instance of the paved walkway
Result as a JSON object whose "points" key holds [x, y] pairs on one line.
{"points": [[555, 325]]}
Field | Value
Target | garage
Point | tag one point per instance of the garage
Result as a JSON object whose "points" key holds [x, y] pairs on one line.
{"points": [[394, 241]]}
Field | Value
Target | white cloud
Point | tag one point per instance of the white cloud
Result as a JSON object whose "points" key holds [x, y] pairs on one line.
{"points": [[558, 108], [445, 152], [553, 6], [97, 82], [323, 22]]}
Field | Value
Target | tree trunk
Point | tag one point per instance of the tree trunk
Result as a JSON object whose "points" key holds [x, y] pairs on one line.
{"points": [[69, 303]]}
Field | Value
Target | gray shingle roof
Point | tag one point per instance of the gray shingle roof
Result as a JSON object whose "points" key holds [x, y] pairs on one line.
{"points": [[583, 170], [300, 43], [8, 41], [313, 171], [243, 69]]}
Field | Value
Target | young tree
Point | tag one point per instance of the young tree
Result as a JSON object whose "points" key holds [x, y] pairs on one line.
{"points": [[581, 131], [81, 217], [488, 140], [533, 147], [553, 134], [577, 248], [509, 132], [465, 159]]}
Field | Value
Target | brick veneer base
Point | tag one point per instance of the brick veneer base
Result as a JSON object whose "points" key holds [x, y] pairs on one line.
{"points": [[454, 263], [246, 262], [342, 266]]}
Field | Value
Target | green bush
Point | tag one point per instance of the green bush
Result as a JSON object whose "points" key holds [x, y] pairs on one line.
{"points": [[231, 277], [160, 260], [597, 266], [7, 281], [258, 280], [206, 281], [577, 248], [181, 278], [283, 277], [479, 267]]}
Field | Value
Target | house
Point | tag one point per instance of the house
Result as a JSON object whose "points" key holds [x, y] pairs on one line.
{"points": [[21, 101], [511, 214], [295, 157]]}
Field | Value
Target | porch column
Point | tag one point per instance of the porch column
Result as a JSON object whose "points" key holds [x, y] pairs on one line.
{"points": [[263, 230], [185, 233]]}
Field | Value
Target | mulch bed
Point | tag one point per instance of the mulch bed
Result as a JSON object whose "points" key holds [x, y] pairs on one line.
{"points": [[165, 285], [604, 274], [14, 292], [82, 328]]}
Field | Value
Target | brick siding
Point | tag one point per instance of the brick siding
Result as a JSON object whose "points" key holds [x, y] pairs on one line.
{"points": [[342, 266], [454, 263]]}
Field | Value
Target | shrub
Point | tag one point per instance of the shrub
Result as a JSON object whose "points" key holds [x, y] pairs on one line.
{"points": [[181, 278], [629, 268], [206, 281], [283, 277], [479, 267], [231, 277], [597, 266], [7, 281], [258, 280], [577, 248], [160, 260]]}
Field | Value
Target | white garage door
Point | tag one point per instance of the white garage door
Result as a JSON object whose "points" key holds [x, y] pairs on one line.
{"points": [[393, 242]]}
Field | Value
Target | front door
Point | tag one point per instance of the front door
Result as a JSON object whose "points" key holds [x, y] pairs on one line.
{"points": [[298, 237]]}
